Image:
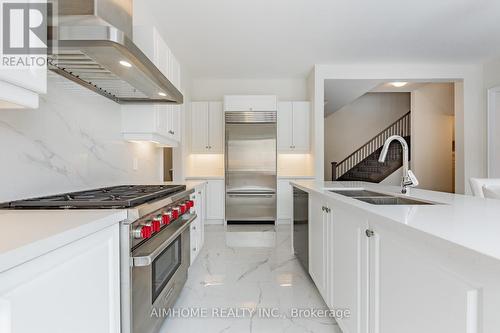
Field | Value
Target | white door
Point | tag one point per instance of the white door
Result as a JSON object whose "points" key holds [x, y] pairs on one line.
{"points": [[215, 199], [300, 126], [349, 268], [199, 127], [215, 128], [317, 250], [411, 292], [285, 126], [75, 288]]}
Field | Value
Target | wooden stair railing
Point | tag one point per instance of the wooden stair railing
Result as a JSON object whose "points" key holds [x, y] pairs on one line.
{"points": [[401, 127]]}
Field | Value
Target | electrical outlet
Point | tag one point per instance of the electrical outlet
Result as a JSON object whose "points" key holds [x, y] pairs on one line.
{"points": [[135, 164]]}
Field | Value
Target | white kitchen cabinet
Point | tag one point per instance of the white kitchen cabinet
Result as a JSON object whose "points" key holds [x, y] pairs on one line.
{"points": [[347, 271], [197, 232], [293, 127], [318, 241], [159, 123], [284, 202], [215, 199], [250, 103], [155, 123], [75, 288], [207, 128], [408, 279], [149, 40]]}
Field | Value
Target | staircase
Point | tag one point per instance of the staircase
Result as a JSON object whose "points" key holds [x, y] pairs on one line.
{"points": [[363, 164]]}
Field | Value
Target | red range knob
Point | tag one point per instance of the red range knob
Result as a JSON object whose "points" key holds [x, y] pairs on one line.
{"points": [[156, 224], [183, 208], [146, 231], [191, 203], [175, 213], [165, 219]]}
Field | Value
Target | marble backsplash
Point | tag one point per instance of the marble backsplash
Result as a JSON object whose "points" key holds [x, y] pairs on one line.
{"points": [[71, 142]]}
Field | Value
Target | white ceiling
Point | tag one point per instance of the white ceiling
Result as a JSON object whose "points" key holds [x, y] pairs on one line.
{"points": [[285, 38], [339, 93]]}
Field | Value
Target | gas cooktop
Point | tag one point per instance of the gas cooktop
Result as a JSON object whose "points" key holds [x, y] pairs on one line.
{"points": [[123, 196]]}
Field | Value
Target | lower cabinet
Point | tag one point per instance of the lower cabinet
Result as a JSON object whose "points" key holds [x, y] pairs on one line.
{"points": [[393, 281], [75, 288], [348, 268], [197, 230], [284, 204], [318, 242], [412, 292], [215, 201]]}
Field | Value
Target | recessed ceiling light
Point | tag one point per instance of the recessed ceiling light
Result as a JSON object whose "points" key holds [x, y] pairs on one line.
{"points": [[125, 63], [399, 84], [162, 94]]}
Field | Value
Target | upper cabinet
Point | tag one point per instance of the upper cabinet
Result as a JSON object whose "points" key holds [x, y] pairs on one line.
{"points": [[293, 127], [160, 123], [207, 128], [21, 85], [155, 123], [250, 103]]}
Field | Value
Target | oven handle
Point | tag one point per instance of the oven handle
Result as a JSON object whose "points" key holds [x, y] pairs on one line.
{"points": [[148, 259]]}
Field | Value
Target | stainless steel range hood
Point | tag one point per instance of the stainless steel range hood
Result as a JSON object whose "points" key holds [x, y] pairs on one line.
{"points": [[92, 45]]}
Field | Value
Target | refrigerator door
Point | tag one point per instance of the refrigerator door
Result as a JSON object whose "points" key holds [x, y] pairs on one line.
{"points": [[250, 206], [250, 157], [250, 171]]}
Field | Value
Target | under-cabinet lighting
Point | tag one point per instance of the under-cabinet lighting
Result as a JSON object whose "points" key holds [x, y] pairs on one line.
{"points": [[162, 94]]}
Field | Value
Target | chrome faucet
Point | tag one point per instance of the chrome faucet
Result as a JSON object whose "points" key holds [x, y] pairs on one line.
{"points": [[409, 179]]}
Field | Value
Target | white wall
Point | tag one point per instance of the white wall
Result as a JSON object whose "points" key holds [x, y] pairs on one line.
{"points": [[471, 125], [213, 89], [492, 80], [72, 142], [433, 120], [356, 123]]}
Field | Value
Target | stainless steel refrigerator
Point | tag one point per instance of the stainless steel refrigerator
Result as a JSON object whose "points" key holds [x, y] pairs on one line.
{"points": [[250, 166]]}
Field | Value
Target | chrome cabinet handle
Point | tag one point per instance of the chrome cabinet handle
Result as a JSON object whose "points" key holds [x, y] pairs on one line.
{"points": [[369, 233], [171, 132]]}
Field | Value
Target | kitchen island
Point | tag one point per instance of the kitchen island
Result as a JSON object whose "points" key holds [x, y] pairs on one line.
{"points": [[433, 267]]}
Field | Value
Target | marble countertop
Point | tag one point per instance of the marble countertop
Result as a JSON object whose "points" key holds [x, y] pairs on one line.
{"points": [[470, 222], [27, 234]]}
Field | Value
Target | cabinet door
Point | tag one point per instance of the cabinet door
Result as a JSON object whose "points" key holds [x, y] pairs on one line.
{"points": [[349, 268], [194, 242], [215, 128], [215, 200], [199, 128], [174, 125], [317, 250], [406, 280], [300, 124], [285, 199], [75, 288], [285, 128]]}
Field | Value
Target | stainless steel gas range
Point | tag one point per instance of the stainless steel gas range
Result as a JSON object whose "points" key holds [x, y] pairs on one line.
{"points": [[154, 243]]}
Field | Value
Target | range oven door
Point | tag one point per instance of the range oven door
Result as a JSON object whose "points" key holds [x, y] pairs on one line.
{"points": [[159, 273]]}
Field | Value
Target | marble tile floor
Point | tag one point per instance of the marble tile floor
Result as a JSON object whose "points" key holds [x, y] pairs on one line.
{"points": [[226, 283]]}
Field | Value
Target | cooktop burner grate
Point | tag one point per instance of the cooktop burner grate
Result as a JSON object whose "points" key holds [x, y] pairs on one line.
{"points": [[123, 196]]}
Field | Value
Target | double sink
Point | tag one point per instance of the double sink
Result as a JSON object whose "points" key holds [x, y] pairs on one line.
{"points": [[376, 198]]}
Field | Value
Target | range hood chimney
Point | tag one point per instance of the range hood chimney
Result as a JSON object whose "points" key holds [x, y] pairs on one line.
{"points": [[92, 46]]}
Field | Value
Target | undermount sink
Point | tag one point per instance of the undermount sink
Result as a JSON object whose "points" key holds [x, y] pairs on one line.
{"points": [[359, 193], [388, 200], [376, 198]]}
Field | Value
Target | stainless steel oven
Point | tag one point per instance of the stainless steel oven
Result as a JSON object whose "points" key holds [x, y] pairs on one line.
{"points": [[155, 267], [159, 272]]}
